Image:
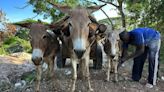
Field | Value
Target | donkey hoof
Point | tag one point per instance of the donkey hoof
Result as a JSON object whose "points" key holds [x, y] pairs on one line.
{"points": [[72, 90], [106, 80], [91, 90], [115, 81], [36, 90]]}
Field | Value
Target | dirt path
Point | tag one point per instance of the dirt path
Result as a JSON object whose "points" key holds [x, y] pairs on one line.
{"points": [[12, 67]]}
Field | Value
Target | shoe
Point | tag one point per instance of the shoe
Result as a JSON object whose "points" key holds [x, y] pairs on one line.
{"points": [[148, 85]]}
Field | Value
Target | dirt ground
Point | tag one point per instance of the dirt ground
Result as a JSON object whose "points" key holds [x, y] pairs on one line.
{"points": [[14, 68]]}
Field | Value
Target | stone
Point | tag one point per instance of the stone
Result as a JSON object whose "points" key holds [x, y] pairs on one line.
{"points": [[162, 78], [67, 72], [18, 87], [4, 83]]}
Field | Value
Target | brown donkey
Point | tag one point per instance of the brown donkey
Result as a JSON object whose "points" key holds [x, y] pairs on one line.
{"points": [[78, 39], [44, 48]]}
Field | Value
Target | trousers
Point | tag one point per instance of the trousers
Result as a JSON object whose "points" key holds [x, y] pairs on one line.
{"points": [[152, 54]]}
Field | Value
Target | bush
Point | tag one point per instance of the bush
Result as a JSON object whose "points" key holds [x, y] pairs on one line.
{"points": [[162, 53], [23, 34], [14, 44]]}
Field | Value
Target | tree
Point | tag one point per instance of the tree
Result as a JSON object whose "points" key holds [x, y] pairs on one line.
{"points": [[146, 13], [3, 21], [119, 6], [6, 29], [42, 7]]}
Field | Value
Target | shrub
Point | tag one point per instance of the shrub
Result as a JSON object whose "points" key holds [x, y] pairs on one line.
{"points": [[23, 34], [14, 44]]}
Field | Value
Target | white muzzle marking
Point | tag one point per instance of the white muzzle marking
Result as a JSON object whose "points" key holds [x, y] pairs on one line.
{"points": [[79, 44], [37, 53], [113, 50]]}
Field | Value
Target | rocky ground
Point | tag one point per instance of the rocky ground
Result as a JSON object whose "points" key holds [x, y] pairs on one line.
{"points": [[17, 74]]}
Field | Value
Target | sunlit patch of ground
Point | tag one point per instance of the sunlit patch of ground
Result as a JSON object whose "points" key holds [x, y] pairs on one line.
{"points": [[16, 58]]}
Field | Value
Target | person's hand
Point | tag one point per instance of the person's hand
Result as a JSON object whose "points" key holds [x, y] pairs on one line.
{"points": [[121, 61]]}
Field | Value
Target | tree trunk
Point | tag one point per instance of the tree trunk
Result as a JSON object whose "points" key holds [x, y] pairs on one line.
{"points": [[120, 8], [108, 19], [123, 18]]}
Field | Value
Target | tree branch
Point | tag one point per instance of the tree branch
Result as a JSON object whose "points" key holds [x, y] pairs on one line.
{"points": [[23, 6], [35, 16], [109, 3], [104, 13]]}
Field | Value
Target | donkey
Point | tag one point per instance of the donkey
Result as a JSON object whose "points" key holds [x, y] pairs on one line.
{"points": [[44, 48], [77, 39], [112, 48]]}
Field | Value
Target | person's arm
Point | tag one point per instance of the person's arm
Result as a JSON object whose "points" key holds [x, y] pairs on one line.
{"points": [[139, 50], [124, 52], [123, 55]]}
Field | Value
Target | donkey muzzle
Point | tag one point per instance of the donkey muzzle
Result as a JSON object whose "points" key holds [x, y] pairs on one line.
{"points": [[79, 53], [37, 60]]}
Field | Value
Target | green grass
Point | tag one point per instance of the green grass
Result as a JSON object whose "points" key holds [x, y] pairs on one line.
{"points": [[29, 76], [14, 41]]}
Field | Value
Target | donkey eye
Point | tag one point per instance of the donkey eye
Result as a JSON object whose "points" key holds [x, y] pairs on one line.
{"points": [[88, 24], [70, 24], [44, 36]]}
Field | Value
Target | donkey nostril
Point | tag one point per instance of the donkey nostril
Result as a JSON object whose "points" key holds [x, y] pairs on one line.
{"points": [[37, 60], [79, 53], [112, 56]]}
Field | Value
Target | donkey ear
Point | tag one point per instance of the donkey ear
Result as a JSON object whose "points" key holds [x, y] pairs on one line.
{"points": [[55, 28], [26, 25], [59, 29], [92, 9], [58, 26], [102, 28], [62, 8], [93, 27], [121, 30]]}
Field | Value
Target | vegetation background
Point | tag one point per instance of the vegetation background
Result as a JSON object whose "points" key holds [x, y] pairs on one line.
{"points": [[136, 13]]}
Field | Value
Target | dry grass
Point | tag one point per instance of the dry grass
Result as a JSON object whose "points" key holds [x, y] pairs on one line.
{"points": [[16, 58]]}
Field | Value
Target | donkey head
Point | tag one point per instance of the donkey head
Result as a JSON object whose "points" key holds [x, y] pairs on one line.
{"points": [[39, 40], [79, 24]]}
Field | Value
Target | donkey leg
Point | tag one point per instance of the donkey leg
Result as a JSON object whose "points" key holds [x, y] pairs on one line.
{"points": [[81, 70], [112, 66], [46, 72], [108, 69], [74, 77], [38, 77], [52, 76], [87, 59], [115, 71], [51, 67]]}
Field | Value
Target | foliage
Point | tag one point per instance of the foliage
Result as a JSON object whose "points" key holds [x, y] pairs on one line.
{"points": [[162, 52], [23, 34], [3, 20], [116, 22], [119, 5], [29, 21], [146, 13], [42, 7], [29, 76], [14, 41]]}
